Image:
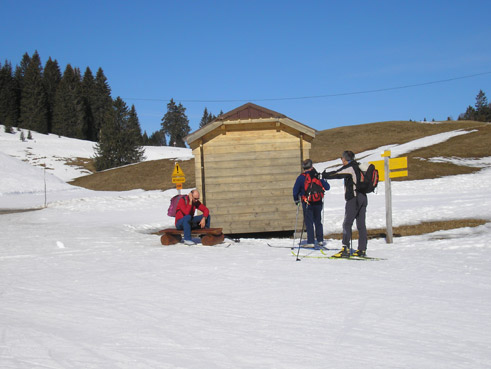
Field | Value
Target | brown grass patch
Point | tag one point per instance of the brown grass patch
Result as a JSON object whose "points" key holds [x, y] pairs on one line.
{"points": [[416, 229], [329, 144], [148, 175], [84, 163]]}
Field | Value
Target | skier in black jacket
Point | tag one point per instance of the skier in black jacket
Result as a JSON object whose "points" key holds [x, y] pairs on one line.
{"points": [[356, 204]]}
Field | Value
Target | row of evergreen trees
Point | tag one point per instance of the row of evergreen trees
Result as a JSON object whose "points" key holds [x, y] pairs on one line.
{"points": [[72, 105], [44, 100], [41, 99]]}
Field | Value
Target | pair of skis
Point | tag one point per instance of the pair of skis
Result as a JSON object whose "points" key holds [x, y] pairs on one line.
{"points": [[323, 255], [319, 253]]}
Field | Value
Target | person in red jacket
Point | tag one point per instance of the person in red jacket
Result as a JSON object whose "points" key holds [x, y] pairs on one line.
{"points": [[185, 219]]}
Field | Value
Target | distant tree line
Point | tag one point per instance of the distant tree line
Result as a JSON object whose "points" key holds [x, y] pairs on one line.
{"points": [[481, 111], [43, 99]]}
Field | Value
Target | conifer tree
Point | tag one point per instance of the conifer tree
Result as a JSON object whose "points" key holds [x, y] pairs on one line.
{"points": [[51, 79], [175, 124], [33, 103], [206, 118], [68, 111], [89, 97], [21, 69], [101, 102], [119, 141], [9, 108], [157, 139]]}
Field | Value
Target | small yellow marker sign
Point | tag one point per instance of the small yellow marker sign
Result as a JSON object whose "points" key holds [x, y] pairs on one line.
{"points": [[177, 171], [178, 176]]}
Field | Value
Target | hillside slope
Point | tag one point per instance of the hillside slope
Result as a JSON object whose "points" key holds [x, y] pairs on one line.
{"points": [[328, 145]]}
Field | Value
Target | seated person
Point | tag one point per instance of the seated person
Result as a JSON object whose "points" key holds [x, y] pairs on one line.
{"points": [[185, 219]]}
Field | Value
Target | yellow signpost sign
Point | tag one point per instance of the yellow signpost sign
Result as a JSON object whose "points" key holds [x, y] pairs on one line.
{"points": [[395, 164]]}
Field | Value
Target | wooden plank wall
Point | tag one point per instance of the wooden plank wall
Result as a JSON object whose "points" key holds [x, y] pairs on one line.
{"points": [[249, 176]]}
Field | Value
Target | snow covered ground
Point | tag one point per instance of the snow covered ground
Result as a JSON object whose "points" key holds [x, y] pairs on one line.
{"points": [[52, 151], [85, 284]]}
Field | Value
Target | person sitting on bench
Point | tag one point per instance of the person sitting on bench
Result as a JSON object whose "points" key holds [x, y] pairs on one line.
{"points": [[185, 219]]}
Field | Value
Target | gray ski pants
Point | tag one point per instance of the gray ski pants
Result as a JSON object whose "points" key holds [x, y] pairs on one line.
{"points": [[356, 208]]}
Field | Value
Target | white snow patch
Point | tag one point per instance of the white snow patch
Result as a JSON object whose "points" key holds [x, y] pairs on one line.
{"points": [[110, 296]]}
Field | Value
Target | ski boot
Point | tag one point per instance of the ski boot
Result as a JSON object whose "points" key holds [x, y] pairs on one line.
{"points": [[344, 253]]}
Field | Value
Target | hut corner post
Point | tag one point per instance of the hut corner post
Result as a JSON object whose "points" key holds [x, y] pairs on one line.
{"points": [[301, 150], [202, 157]]}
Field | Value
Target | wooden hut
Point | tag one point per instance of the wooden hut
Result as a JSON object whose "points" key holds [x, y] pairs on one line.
{"points": [[246, 162]]}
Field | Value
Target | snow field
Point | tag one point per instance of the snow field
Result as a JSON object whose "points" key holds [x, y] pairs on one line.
{"points": [[85, 284]]}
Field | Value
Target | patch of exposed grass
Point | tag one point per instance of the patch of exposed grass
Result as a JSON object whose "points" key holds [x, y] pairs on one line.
{"points": [[83, 163], [329, 144], [416, 229], [148, 175]]}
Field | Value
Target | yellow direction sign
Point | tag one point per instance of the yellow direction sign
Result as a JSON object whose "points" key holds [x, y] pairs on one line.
{"points": [[177, 171], [394, 164]]}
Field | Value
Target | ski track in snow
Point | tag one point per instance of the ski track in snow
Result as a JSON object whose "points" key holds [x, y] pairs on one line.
{"points": [[85, 284]]}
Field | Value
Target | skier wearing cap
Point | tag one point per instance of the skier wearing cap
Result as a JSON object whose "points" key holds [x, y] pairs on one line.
{"points": [[312, 207]]}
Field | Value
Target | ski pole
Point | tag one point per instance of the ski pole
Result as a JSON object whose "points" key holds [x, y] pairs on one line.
{"points": [[301, 234], [296, 223]]}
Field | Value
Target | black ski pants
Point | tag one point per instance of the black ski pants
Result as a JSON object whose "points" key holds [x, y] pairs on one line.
{"points": [[312, 214], [356, 208]]}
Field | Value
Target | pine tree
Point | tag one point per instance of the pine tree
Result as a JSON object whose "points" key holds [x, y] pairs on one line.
{"points": [[51, 79], [119, 141], [101, 102], [157, 139], [89, 100], [68, 111], [33, 103], [483, 111], [206, 118], [175, 124], [9, 108], [134, 125]]}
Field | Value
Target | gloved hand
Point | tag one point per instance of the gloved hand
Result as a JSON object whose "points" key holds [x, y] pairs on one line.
{"points": [[327, 174], [297, 202]]}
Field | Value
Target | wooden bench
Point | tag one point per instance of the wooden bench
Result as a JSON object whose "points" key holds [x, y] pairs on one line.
{"points": [[209, 236]]}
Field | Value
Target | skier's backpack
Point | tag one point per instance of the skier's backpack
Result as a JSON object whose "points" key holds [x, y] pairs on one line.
{"points": [[314, 190], [368, 178], [173, 205]]}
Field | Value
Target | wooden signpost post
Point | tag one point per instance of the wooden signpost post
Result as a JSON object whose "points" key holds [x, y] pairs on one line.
{"points": [[395, 167]]}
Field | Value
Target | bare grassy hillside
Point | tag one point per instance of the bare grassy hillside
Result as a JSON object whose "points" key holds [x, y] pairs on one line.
{"points": [[327, 145], [149, 175]]}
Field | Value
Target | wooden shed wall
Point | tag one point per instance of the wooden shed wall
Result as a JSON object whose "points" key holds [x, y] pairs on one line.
{"points": [[249, 176]]}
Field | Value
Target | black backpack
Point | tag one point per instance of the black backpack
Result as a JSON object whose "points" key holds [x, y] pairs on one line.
{"points": [[368, 179], [314, 190]]}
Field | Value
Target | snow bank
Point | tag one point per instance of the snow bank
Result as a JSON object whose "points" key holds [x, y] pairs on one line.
{"points": [[52, 152]]}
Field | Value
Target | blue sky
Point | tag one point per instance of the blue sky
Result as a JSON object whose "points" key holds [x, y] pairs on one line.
{"points": [[278, 54]]}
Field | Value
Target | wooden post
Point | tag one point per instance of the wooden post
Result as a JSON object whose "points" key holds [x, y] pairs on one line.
{"points": [[301, 151], [388, 198], [202, 155]]}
